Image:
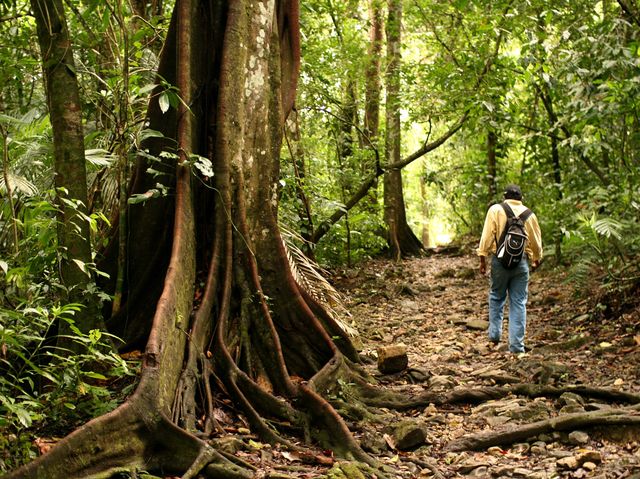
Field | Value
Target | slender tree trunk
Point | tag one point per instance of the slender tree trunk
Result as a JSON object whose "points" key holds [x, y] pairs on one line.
{"points": [[7, 185], [426, 235], [546, 96], [401, 239], [373, 87], [69, 161], [492, 169], [303, 206], [373, 83], [122, 126]]}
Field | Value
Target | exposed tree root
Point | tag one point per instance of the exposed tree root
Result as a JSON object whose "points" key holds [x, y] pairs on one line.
{"points": [[129, 439], [609, 417], [427, 465], [393, 400]]}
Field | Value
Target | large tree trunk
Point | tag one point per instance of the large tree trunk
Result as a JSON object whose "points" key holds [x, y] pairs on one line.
{"points": [[65, 112], [402, 241], [236, 67]]}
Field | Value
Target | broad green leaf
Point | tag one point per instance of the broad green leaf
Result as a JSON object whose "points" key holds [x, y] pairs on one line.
{"points": [[164, 103]]}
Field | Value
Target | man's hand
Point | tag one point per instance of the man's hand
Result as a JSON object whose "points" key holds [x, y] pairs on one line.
{"points": [[483, 265], [535, 264]]}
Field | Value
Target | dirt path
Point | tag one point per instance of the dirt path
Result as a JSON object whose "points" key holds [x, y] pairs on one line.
{"points": [[437, 307]]}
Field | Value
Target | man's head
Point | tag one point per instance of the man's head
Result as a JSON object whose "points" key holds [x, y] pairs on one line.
{"points": [[512, 192]]}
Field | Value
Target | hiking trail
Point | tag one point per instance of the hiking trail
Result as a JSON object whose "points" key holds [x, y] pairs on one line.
{"points": [[437, 307]]}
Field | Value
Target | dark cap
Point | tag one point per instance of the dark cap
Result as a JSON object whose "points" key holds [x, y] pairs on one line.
{"points": [[512, 192]]}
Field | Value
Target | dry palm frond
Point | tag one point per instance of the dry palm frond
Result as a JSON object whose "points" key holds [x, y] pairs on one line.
{"points": [[18, 184], [310, 276]]}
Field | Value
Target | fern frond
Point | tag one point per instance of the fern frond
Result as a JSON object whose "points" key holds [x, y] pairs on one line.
{"points": [[608, 227], [310, 276], [18, 183]]}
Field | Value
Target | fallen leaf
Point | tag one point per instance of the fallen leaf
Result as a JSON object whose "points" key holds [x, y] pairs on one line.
{"points": [[389, 440], [291, 456], [44, 445], [618, 382]]}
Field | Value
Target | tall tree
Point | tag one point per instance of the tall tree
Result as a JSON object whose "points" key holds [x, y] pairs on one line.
{"points": [[253, 324], [65, 111], [372, 75], [373, 88], [402, 241]]}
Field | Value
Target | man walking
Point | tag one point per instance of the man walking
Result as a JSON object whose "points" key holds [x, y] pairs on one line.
{"points": [[512, 281]]}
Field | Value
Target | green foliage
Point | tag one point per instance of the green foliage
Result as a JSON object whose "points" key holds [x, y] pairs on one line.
{"points": [[44, 389], [605, 238]]}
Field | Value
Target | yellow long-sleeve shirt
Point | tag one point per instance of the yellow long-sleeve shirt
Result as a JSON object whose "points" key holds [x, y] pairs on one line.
{"points": [[495, 222]]}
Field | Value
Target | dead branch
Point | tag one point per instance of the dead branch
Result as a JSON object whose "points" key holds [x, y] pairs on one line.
{"points": [[609, 417]]}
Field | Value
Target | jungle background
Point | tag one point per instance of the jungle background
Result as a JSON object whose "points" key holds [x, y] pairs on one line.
{"points": [[410, 117]]}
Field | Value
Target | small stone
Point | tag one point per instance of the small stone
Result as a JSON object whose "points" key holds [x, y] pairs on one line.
{"points": [[409, 435], [431, 409], [458, 320], [571, 408], [478, 324], [392, 359], [481, 471], [441, 382], [373, 443], [503, 471], [229, 444], [494, 421], [558, 454], [538, 451], [520, 448], [578, 438], [567, 463], [570, 398], [590, 456], [589, 466]]}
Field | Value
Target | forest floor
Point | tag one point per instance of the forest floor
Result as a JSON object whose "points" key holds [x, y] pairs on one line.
{"points": [[437, 307]]}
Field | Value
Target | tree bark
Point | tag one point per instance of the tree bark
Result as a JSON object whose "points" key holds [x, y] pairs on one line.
{"points": [[401, 239], [63, 100]]}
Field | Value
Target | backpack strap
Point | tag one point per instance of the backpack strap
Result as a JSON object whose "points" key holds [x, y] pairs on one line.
{"points": [[507, 209], [524, 216]]}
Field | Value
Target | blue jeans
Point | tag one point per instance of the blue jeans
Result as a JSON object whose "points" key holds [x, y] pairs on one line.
{"points": [[515, 282]]}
